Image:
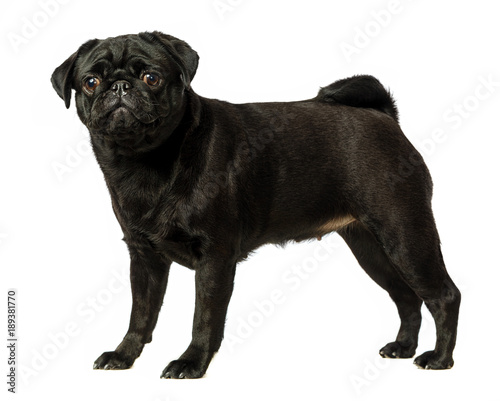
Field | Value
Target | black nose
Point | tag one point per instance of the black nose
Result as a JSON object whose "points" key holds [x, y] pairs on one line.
{"points": [[121, 87]]}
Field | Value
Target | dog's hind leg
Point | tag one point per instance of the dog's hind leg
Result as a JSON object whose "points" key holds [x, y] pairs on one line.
{"points": [[409, 238], [377, 265]]}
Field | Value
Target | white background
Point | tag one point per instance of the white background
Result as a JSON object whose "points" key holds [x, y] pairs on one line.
{"points": [[60, 244]]}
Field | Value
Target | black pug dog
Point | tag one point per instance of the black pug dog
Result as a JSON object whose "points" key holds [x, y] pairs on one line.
{"points": [[203, 183]]}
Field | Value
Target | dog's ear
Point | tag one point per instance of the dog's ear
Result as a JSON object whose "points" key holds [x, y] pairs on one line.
{"points": [[180, 51], [62, 77]]}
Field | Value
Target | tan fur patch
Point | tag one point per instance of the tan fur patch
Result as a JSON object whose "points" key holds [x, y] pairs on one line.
{"points": [[334, 225]]}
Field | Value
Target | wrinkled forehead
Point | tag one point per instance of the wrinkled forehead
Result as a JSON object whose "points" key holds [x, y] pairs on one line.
{"points": [[125, 53]]}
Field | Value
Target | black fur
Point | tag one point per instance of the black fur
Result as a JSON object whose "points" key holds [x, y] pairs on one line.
{"points": [[202, 183], [360, 91]]}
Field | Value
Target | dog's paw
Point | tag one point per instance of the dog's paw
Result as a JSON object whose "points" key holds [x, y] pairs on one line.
{"points": [[396, 350], [430, 360], [113, 360], [183, 369]]}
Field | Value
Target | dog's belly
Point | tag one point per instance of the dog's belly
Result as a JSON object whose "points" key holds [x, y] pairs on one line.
{"points": [[335, 224], [302, 231]]}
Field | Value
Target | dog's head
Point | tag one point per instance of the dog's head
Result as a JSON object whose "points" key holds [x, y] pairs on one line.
{"points": [[130, 90]]}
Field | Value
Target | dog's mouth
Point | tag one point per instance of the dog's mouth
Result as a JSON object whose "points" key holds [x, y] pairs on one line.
{"points": [[124, 125], [129, 124], [121, 114]]}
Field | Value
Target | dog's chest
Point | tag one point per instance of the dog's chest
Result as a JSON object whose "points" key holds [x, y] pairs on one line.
{"points": [[153, 212]]}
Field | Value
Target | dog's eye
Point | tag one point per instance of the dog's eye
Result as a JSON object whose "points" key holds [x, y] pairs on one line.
{"points": [[151, 79], [91, 84]]}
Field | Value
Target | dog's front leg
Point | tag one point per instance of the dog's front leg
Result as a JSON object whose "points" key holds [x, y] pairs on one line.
{"points": [[214, 286], [148, 277]]}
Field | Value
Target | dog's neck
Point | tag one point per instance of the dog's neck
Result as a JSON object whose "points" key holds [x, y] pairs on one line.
{"points": [[173, 166], [176, 133]]}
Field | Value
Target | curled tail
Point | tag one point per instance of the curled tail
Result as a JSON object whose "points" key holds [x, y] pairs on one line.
{"points": [[360, 91]]}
